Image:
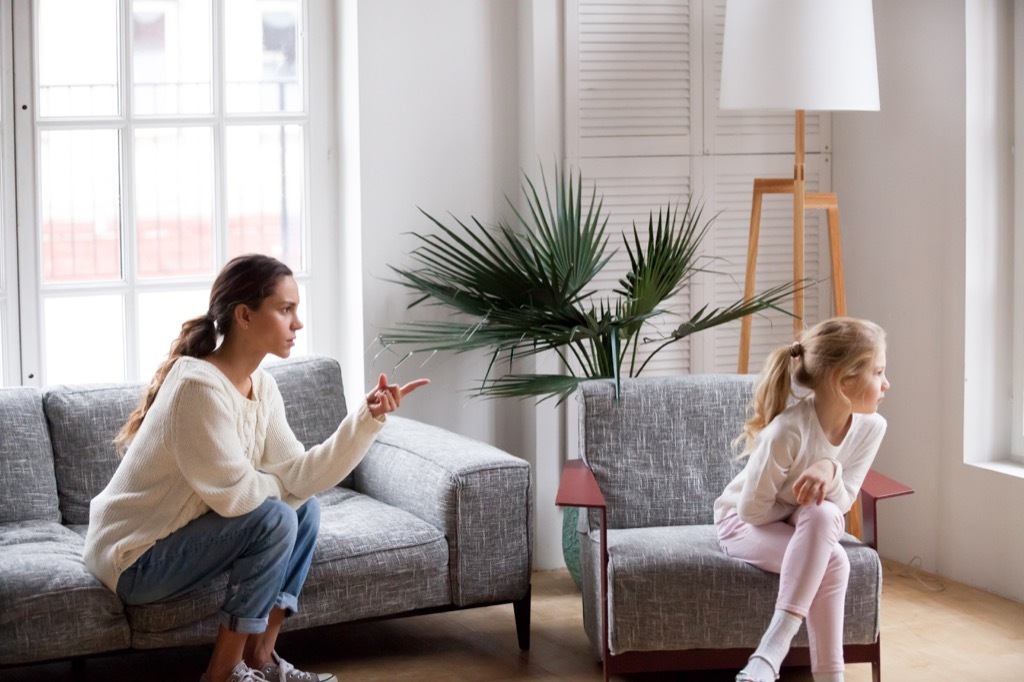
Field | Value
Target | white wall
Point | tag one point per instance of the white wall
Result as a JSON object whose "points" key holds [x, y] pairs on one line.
{"points": [[909, 206], [439, 121], [456, 98]]}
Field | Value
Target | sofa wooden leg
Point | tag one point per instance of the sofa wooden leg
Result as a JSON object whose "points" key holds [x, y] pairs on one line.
{"points": [[521, 607], [876, 671]]}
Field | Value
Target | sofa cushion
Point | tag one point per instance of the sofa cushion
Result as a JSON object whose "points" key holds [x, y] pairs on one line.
{"points": [[674, 588], [83, 422], [371, 560], [314, 398], [51, 606], [26, 461], [661, 453]]}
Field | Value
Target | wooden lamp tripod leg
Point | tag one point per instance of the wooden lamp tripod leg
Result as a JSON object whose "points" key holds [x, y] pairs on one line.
{"points": [[836, 252], [748, 284], [855, 521]]}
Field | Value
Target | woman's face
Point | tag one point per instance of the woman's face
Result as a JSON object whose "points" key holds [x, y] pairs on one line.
{"points": [[272, 328]]}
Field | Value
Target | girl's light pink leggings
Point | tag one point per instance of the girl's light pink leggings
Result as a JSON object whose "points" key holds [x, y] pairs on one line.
{"points": [[813, 571]]}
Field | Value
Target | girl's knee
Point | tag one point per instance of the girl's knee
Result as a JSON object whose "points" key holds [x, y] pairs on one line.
{"points": [[825, 517], [837, 574], [839, 562]]}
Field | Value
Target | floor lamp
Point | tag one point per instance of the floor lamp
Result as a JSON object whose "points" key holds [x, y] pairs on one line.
{"points": [[798, 55]]}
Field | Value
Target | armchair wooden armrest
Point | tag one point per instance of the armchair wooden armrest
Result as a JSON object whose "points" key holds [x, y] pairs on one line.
{"points": [[578, 487], [876, 487]]}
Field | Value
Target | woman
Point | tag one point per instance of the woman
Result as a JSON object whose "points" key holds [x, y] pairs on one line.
{"points": [[213, 479]]}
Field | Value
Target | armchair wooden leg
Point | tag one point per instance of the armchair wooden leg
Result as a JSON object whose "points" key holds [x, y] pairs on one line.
{"points": [[521, 608]]}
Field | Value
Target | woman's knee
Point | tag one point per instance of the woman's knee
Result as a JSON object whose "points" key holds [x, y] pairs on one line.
{"points": [[308, 515], [276, 520]]}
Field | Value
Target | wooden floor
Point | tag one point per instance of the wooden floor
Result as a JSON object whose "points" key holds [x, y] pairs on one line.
{"points": [[931, 630]]}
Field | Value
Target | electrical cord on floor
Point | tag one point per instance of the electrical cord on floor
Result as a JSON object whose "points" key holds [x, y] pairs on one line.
{"points": [[912, 569]]}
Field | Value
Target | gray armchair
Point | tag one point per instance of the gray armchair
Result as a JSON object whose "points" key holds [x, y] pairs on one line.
{"points": [[651, 465]]}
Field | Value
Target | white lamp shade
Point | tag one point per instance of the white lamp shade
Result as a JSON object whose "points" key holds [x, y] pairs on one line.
{"points": [[799, 54]]}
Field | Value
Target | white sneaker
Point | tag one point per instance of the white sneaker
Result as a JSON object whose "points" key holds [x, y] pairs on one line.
{"points": [[283, 671], [242, 673]]}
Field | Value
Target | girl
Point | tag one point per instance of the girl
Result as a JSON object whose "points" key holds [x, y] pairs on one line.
{"points": [[213, 479], [784, 512]]}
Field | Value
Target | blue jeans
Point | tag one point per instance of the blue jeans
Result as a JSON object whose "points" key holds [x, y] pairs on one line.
{"points": [[267, 551]]}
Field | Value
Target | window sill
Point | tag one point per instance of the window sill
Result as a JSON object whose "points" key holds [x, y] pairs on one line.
{"points": [[1009, 467]]}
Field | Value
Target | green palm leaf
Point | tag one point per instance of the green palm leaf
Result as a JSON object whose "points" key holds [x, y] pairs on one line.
{"points": [[525, 288]]}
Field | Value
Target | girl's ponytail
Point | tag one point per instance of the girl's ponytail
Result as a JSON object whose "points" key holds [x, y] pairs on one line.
{"points": [[198, 338], [771, 394]]}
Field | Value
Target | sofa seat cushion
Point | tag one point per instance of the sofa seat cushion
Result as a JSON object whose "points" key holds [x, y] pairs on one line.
{"points": [[371, 560], [51, 606], [674, 588]]}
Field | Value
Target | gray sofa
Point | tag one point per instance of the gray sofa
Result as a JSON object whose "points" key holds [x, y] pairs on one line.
{"points": [[652, 462], [429, 521]]}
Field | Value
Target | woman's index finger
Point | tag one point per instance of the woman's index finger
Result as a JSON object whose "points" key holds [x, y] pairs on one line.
{"points": [[413, 385]]}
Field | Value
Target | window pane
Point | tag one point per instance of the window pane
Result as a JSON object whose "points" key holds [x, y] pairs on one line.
{"points": [[79, 205], [265, 191], [77, 56], [171, 49], [161, 315], [263, 56], [174, 201], [84, 339]]}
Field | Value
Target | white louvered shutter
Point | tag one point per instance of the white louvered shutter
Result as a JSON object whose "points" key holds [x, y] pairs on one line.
{"points": [[642, 121], [631, 78]]}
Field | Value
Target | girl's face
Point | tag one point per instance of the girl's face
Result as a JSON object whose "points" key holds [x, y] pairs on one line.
{"points": [[274, 325], [867, 390]]}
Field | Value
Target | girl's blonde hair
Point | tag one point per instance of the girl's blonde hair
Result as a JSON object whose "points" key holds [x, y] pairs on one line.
{"points": [[831, 351], [244, 280]]}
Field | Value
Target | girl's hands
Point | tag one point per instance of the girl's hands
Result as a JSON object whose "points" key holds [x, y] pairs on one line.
{"points": [[387, 397], [812, 484]]}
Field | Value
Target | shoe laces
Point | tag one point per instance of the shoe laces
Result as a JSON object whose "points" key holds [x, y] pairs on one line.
{"points": [[286, 672]]}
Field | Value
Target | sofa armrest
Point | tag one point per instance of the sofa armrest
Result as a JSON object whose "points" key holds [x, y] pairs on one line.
{"points": [[876, 487], [479, 496]]}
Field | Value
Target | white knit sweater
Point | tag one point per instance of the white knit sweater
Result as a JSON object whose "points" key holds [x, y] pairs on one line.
{"points": [[202, 447], [783, 450]]}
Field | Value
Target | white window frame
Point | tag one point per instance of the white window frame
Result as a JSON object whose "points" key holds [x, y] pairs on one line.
{"points": [[320, 241], [1017, 421], [10, 345]]}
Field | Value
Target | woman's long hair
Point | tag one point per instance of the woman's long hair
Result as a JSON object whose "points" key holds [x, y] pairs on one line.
{"points": [[846, 344], [244, 280]]}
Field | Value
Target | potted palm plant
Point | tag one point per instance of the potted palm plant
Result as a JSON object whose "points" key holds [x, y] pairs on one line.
{"points": [[525, 288]]}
